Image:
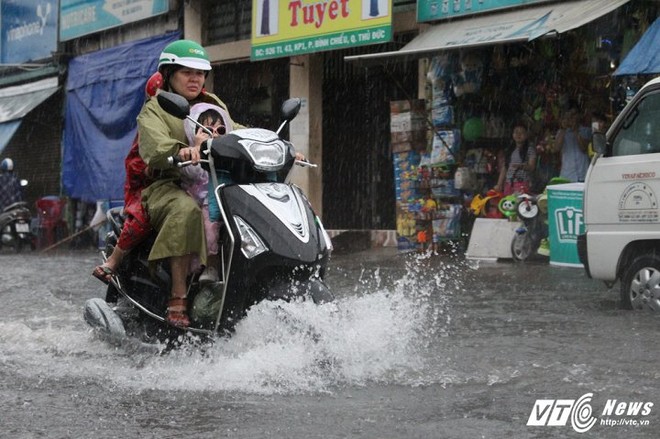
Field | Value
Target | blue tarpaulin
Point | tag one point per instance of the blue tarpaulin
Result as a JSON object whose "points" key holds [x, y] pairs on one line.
{"points": [[104, 94], [644, 57]]}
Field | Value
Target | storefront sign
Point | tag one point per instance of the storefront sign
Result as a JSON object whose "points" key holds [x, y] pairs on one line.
{"points": [[293, 27], [83, 17], [430, 10], [29, 30]]}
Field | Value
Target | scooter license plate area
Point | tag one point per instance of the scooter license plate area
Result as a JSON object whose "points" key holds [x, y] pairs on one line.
{"points": [[22, 227]]}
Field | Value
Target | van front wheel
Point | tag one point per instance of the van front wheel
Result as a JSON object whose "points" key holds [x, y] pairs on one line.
{"points": [[640, 284]]}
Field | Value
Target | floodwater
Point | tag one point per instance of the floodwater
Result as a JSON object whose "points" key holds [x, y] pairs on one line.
{"points": [[414, 347]]}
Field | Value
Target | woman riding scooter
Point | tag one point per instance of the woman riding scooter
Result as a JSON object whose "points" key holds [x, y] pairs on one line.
{"points": [[175, 216]]}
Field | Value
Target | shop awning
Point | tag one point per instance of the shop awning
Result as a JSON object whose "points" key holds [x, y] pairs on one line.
{"points": [[19, 100], [644, 57], [499, 28]]}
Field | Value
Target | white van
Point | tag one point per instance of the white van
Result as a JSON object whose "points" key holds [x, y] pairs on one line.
{"points": [[621, 195]]}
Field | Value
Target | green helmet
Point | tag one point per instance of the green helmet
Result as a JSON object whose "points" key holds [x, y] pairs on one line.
{"points": [[185, 53]]}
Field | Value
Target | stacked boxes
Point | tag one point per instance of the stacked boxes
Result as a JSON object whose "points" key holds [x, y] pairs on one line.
{"points": [[409, 136], [428, 205], [408, 125]]}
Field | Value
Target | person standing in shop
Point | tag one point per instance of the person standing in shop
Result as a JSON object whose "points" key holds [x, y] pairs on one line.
{"points": [[572, 141], [517, 165]]}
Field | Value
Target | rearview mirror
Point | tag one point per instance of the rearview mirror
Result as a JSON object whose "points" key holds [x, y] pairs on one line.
{"points": [[290, 108], [174, 104]]}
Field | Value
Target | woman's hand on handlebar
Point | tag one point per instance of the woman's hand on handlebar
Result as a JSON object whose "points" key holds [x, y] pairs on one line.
{"points": [[302, 161], [190, 154]]}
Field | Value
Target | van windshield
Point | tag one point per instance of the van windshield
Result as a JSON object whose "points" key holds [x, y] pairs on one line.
{"points": [[641, 133]]}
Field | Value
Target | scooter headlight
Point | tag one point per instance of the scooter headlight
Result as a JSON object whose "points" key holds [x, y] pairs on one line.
{"points": [[267, 157], [251, 244]]}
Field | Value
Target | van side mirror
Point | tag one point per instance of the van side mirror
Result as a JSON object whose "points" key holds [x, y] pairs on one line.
{"points": [[599, 142]]}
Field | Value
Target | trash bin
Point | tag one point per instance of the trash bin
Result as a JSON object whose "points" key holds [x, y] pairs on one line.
{"points": [[565, 222]]}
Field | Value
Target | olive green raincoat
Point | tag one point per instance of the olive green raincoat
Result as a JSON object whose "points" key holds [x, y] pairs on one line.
{"points": [[172, 212]]}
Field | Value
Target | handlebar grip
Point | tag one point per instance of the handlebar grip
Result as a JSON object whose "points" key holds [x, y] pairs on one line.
{"points": [[176, 161], [305, 163]]}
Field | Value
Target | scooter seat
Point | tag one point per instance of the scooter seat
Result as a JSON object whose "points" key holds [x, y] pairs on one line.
{"points": [[15, 205]]}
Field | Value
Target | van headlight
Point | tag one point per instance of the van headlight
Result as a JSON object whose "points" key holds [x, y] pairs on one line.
{"points": [[251, 244]]}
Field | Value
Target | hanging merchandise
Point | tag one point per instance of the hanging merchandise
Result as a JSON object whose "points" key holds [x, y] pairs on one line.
{"points": [[442, 112], [468, 79], [449, 226], [446, 144], [473, 128], [465, 179], [494, 126], [440, 68]]}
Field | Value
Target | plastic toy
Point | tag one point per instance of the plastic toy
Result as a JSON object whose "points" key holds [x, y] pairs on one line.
{"points": [[508, 206], [478, 204]]}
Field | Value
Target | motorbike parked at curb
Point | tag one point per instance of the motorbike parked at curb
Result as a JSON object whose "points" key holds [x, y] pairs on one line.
{"points": [[533, 230], [272, 244], [15, 221]]}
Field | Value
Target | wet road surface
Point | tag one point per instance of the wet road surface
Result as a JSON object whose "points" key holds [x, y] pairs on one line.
{"points": [[413, 347]]}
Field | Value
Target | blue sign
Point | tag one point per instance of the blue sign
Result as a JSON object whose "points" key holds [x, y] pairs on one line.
{"points": [[83, 17], [29, 30]]}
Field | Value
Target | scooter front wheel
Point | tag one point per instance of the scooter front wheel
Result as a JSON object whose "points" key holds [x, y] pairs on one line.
{"points": [[522, 246]]}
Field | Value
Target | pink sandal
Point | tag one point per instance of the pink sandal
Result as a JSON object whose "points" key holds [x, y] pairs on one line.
{"points": [[177, 312]]}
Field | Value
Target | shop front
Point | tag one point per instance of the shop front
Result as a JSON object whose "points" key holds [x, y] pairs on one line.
{"points": [[482, 75]]}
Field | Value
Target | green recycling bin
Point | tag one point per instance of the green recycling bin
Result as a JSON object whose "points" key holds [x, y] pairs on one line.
{"points": [[565, 222]]}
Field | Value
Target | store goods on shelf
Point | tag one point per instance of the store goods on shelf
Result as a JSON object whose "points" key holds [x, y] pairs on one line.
{"points": [[408, 125]]}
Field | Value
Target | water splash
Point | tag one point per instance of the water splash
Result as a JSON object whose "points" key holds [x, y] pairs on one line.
{"points": [[373, 334], [378, 331]]}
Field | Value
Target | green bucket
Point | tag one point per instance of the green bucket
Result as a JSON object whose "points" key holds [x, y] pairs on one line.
{"points": [[565, 222]]}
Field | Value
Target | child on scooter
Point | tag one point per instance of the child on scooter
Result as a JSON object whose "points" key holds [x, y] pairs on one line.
{"points": [[195, 180]]}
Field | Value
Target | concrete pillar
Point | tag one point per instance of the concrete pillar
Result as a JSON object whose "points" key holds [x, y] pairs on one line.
{"points": [[305, 81], [192, 30]]}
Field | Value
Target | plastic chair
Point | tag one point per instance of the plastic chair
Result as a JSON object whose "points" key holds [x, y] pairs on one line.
{"points": [[50, 212]]}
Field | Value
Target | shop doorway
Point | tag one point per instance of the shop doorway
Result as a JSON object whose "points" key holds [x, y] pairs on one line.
{"points": [[358, 177], [253, 92]]}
